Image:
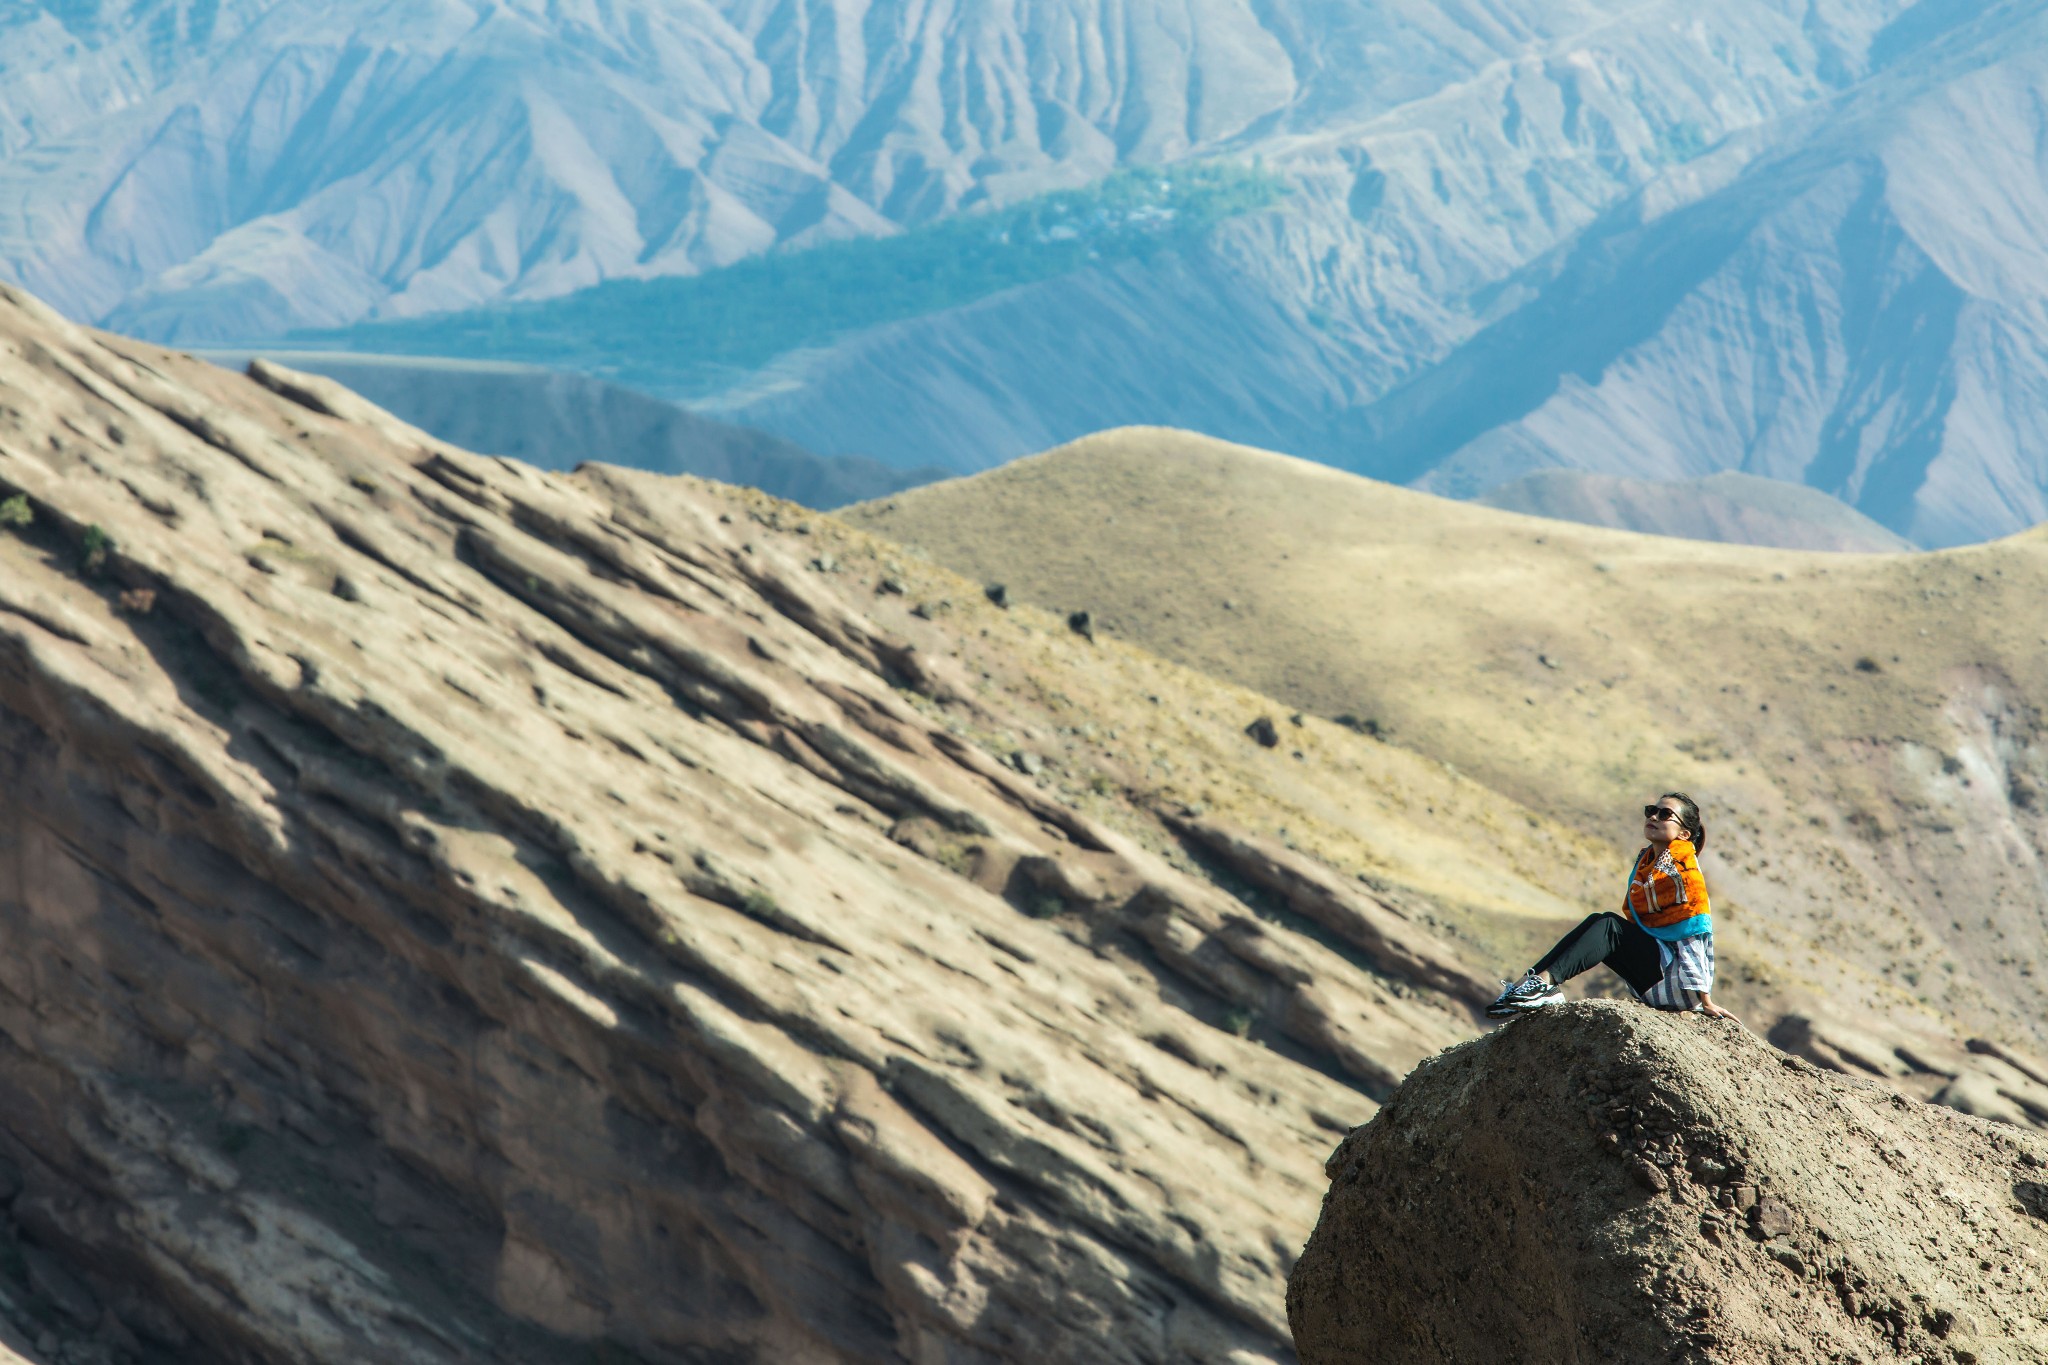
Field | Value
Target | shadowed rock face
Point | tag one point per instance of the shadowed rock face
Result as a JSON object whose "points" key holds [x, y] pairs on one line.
{"points": [[1602, 1182], [452, 912]]}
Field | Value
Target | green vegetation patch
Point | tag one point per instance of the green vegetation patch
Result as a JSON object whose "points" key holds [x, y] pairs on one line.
{"points": [[94, 549], [678, 336]]}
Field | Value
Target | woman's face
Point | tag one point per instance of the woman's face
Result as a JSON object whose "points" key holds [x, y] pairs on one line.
{"points": [[1661, 822]]}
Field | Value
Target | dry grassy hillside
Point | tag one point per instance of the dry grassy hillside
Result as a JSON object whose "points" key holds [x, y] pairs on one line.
{"points": [[1864, 731], [1156, 750]]}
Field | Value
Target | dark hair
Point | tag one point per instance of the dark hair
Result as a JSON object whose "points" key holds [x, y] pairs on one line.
{"points": [[1689, 816]]}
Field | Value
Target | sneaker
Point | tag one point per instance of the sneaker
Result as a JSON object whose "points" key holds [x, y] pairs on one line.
{"points": [[1532, 992]]}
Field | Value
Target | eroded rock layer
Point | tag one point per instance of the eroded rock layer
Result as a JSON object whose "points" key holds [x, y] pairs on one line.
{"points": [[450, 912]]}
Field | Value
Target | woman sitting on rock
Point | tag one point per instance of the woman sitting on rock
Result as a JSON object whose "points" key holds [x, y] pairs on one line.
{"points": [[1663, 948]]}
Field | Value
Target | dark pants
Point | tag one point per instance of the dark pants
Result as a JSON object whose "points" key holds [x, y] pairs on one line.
{"points": [[1620, 943]]}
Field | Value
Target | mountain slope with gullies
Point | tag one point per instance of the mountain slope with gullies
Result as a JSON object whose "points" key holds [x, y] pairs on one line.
{"points": [[1865, 732], [1669, 244], [1601, 1182], [456, 912], [1641, 239], [1856, 310], [226, 169]]}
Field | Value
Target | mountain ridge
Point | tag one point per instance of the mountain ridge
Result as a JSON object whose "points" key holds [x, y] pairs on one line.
{"points": [[1737, 508], [556, 420], [459, 912], [1729, 241]]}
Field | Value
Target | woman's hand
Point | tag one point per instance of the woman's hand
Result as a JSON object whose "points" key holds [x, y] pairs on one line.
{"points": [[1712, 1010]]}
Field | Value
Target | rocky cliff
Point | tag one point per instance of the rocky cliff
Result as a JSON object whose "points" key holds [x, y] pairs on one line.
{"points": [[454, 912], [1602, 1182]]}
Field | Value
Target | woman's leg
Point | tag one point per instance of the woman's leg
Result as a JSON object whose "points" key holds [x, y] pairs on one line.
{"points": [[1610, 939], [1581, 950]]}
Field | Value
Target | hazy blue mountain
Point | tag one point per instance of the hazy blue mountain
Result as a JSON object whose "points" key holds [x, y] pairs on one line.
{"points": [[1864, 311], [200, 169], [1646, 239], [205, 168], [1848, 294]]}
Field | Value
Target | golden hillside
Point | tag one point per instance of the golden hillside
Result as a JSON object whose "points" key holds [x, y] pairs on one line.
{"points": [[1863, 731]]}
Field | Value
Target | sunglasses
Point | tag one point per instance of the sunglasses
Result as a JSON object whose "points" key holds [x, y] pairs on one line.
{"points": [[1662, 813]]}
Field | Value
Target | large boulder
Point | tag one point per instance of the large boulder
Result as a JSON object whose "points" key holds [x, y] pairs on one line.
{"points": [[1603, 1182]]}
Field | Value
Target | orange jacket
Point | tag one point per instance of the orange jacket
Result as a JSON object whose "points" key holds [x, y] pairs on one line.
{"points": [[1666, 893]]}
